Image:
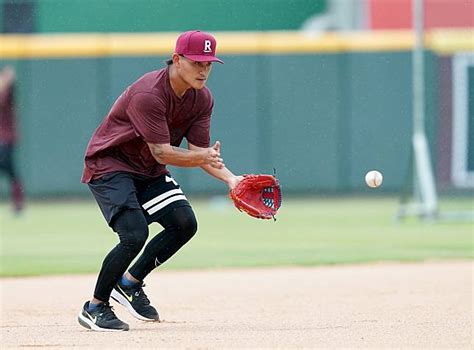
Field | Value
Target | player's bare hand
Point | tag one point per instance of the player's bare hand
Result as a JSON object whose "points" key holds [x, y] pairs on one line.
{"points": [[213, 156]]}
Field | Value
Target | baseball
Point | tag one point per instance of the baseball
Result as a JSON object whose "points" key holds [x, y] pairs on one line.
{"points": [[373, 178]]}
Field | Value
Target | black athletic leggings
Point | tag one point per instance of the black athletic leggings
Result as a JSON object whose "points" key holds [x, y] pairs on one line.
{"points": [[179, 225]]}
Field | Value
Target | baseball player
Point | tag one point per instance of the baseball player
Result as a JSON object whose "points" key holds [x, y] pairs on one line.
{"points": [[8, 135], [125, 169]]}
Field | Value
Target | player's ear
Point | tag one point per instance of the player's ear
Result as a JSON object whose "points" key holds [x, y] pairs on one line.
{"points": [[176, 59]]}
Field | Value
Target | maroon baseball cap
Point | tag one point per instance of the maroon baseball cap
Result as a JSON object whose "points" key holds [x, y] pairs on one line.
{"points": [[197, 46]]}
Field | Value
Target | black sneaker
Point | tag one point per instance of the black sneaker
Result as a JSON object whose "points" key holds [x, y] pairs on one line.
{"points": [[102, 319], [136, 301]]}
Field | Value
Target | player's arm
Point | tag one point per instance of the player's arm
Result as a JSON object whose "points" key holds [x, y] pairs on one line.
{"points": [[221, 173], [188, 158]]}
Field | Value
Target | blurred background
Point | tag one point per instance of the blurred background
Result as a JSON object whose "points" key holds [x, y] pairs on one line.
{"points": [[320, 90]]}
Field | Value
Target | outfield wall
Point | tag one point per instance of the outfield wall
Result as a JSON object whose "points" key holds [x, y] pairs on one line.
{"points": [[322, 111], [59, 16]]}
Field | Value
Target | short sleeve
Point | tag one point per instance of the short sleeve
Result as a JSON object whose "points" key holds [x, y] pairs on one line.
{"points": [[147, 114]]}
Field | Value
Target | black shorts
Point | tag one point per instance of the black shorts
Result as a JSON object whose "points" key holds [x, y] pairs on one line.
{"points": [[118, 191]]}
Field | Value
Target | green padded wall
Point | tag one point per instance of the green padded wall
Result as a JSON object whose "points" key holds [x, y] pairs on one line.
{"points": [[302, 111], [470, 122], [1, 16], [177, 15], [380, 116], [321, 120], [59, 111]]}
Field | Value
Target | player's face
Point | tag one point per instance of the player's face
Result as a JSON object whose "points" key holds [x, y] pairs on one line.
{"points": [[194, 73]]}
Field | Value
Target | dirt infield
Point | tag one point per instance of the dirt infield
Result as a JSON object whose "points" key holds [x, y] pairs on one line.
{"points": [[378, 306]]}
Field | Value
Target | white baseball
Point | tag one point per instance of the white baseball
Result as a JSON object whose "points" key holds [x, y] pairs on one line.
{"points": [[373, 178]]}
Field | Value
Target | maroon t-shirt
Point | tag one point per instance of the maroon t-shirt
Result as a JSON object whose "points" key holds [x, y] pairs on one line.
{"points": [[7, 116], [147, 112]]}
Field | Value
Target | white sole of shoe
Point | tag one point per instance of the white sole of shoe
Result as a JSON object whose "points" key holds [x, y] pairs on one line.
{"points": [[119, 298], [94, 327]]}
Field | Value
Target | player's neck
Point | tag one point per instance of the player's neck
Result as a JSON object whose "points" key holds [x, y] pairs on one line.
{"points": [[178, 85]]}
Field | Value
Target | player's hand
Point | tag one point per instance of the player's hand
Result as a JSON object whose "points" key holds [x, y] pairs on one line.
{"points": [[212, 156], [233, 181]]}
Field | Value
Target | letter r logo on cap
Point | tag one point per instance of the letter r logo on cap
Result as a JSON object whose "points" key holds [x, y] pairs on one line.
{"points": [[207, 46]]}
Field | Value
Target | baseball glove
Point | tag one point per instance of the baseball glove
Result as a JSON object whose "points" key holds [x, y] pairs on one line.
{"points": [[257, 195]]}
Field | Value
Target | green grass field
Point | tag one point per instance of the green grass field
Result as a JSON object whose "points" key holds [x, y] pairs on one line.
{"points": [[72, 237]]}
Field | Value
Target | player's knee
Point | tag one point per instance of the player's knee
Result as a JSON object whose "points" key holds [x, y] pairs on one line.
{"points": [[132, 228], [182, 222], [136, 239], [188, 228], [187, 224]]}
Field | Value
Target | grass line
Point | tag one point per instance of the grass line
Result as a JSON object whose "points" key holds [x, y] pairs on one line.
{"points": [[72, 237]]}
